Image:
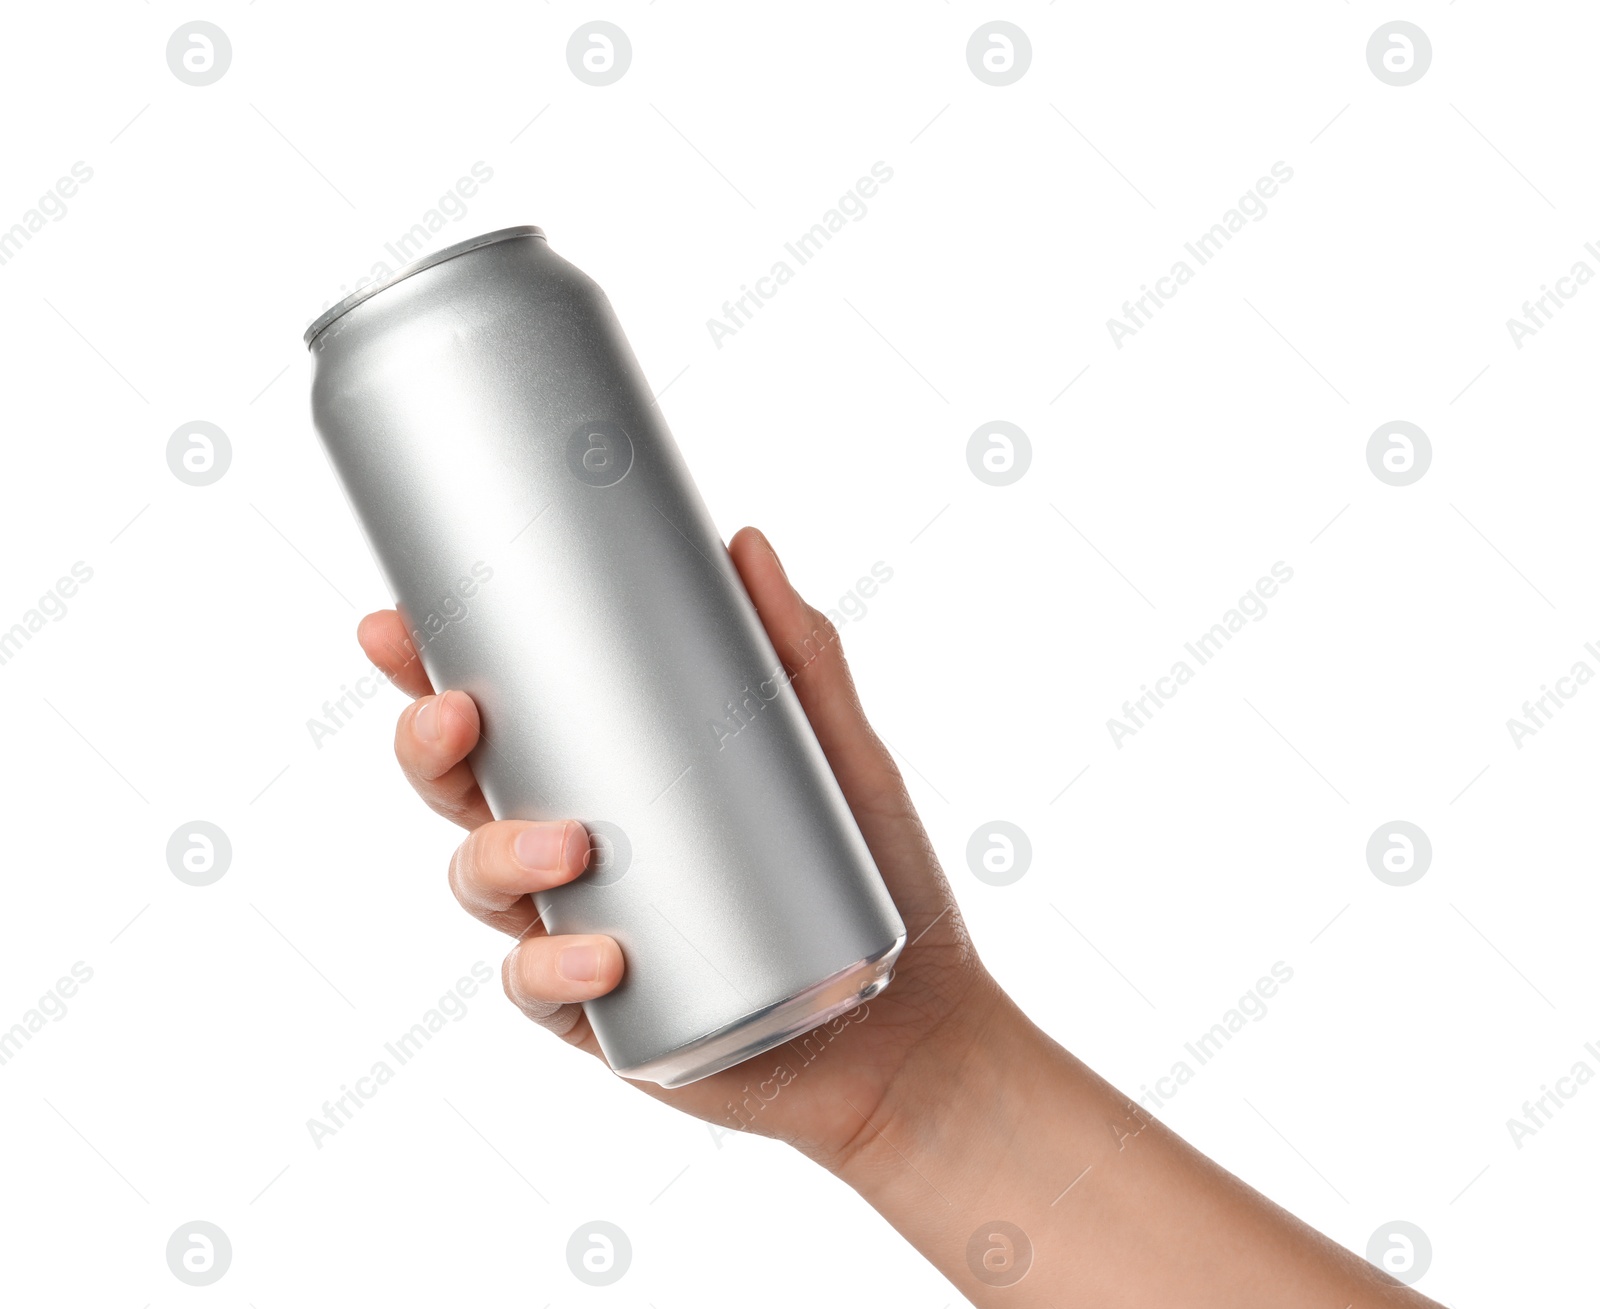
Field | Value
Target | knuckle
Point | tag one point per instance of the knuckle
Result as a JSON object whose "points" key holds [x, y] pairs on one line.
{"points": [[510, 980], [461, 863], [832, 642], [456, 807], [819, 642], [561, 1019], [514, 980], [473, 865]]}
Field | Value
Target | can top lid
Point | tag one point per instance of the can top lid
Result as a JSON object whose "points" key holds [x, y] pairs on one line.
{"points": [[416, 266]]}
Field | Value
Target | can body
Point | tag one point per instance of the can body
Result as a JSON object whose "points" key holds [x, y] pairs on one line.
{"points": [[551, 557]]}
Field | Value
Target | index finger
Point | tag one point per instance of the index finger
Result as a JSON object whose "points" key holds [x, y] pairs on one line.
{"points": [[386, 642]]}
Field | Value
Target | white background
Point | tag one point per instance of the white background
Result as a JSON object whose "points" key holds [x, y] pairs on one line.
{"points": [[1227, 435]]}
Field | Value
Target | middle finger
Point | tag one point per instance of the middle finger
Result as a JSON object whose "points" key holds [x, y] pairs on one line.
{"points": [[432, 740]]}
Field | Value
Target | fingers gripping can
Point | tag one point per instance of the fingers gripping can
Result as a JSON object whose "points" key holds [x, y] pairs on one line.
{"points": [[552, 558]]}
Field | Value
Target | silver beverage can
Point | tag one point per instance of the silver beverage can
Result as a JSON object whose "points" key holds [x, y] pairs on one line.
{"points": [[552, 558]]}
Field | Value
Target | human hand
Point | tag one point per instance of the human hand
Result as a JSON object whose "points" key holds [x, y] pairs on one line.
{"points": [[828, 1097], [943, 1106]]}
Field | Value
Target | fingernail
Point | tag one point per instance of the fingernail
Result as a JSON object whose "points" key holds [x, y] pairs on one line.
{"points": [[427, 724], [541, 846], [579, 963]]}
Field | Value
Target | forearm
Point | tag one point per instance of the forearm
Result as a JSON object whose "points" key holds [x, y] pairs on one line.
{"points": [[1011, 1156]]}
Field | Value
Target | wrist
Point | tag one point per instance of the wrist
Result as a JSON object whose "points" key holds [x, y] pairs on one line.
{"points": [[973, 1150], [947, 1109]]}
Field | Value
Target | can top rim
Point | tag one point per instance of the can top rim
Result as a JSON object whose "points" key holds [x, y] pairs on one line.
{"points": [[416, 266]]}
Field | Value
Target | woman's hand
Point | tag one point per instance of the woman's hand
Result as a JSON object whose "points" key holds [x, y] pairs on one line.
{"points": [[1023, 1176], [822, 1102]]}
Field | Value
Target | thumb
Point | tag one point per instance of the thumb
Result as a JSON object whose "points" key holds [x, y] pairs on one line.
{"points": [[808, 644]]}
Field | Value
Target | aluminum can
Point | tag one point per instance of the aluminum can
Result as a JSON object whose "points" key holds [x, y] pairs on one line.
{"points": [[552, 558]]}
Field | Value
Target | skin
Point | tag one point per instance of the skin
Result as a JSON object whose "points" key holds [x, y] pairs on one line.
{"points": [[943, 1105]]}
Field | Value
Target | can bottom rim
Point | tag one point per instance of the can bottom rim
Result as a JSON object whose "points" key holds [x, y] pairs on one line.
{"points": [[763, 1029]]}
